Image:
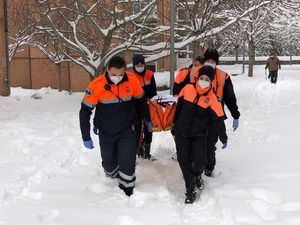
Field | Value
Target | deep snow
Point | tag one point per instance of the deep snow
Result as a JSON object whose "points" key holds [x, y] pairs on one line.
{"points": [[47, 177]]}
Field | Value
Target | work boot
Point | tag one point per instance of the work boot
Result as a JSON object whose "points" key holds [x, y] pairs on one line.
{"points": [[146, 151], [190, 196], [208, 172], [199, 182], [140, 152]]}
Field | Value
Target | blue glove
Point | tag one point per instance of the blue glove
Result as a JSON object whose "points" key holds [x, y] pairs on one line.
{"points": [[96, 130], [224, 145], [235, 124], [88, 144], [149, 125]]}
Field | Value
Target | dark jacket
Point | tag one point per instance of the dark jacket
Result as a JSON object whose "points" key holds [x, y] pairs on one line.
{"points": [[116, 105], [229, 99], [147, 81], [194, 112]]}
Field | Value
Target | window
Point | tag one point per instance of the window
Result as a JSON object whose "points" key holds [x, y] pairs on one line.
{"points": [[185, 53], [180, 14], [138, 6]]}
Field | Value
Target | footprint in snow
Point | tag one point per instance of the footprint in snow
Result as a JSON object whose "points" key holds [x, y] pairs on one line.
{"points": [[126, 220], [138, 199], [48, 216], [97, 188], [290, 207], [265, 195], [263, 209]]}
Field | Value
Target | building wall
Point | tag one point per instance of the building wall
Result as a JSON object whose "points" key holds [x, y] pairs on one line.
{"points": [[30, 68]]}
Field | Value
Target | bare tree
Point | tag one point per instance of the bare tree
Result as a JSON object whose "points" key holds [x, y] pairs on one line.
{"points": [[22, 25], [89, 33]]}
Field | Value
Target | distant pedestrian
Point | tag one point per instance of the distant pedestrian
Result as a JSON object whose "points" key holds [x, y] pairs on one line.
{"points": [[273, 64]]}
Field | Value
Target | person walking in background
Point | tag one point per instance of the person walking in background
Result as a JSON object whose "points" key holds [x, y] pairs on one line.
{"points": [[223, 88], [187, 75], [117, 97], [147, 80], [197, 107], [273, 64]]}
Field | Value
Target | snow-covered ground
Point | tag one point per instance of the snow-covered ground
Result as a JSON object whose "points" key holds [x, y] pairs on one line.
{"points": [[47, 177]]}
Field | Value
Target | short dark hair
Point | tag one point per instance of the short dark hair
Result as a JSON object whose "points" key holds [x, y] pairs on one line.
{"points": [[213, 54], [201, 59], [116, 62]]}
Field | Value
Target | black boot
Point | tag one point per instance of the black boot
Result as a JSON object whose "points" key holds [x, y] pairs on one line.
{"points": [[146, 152], [127, 191], [190, 196], [199, 182], [140, 152], [208, 172]]}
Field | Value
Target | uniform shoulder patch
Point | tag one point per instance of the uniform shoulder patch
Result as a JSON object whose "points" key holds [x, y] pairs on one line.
{"points": [[88, 92]]}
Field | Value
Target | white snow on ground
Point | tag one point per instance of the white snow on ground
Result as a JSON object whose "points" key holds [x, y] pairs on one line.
{"points": [[47, 177]]}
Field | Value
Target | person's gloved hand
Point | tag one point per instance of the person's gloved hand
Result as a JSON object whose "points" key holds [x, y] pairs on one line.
{"points": [[149, 125], [96, 130], [224, 146], [88, 144], [235, 124]]}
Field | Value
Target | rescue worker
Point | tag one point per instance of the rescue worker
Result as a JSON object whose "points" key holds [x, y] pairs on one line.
{"points": [[273, 64], [223, 88], [147, 80], [197, 106], [187, 75], [184, 77], [117, 96]]}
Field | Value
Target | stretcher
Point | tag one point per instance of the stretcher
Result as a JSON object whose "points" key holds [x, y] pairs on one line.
{"points": [[162, 112]]}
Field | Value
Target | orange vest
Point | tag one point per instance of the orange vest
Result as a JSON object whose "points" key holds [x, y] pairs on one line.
{"points": [[146, 79], [189, 93], [219, 82]]}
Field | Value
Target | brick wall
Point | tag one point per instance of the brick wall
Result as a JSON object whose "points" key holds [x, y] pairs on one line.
{"points": [[30, 68]]}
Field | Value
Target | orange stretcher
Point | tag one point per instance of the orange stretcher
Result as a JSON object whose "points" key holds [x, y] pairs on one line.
{"points": [[162, 112]]}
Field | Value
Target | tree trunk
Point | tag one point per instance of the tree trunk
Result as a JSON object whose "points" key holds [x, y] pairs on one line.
{"points": [[251, 58], [30, 67], [69, 77], [58, 76], [196, 49], [236, 54], [291, 56], [4, 70]]}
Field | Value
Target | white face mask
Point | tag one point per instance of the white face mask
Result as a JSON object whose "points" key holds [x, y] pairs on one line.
{"points": [[203, 84], [210, 64], [140, 69], [116, 79]]}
